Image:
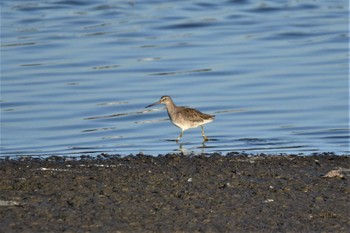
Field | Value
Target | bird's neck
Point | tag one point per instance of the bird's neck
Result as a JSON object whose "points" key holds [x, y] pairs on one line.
{"points": [[170, 106]]}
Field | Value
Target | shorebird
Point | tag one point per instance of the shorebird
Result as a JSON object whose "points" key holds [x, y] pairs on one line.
{"points": [[184, 118]]}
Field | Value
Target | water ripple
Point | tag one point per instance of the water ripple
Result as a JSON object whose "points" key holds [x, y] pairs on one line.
{"points": [[76, 75]]}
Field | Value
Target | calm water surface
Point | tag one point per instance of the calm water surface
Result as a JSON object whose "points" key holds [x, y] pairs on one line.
{"points": [[76, 75]]}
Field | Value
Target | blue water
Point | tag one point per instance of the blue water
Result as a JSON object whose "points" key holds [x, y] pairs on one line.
{"points": [[76, 76]]}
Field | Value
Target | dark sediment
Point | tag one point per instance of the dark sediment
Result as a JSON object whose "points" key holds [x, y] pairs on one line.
{"points": [[175, 193]]}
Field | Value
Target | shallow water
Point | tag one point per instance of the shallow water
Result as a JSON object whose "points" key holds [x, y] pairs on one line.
{"points": [[76, 76]]}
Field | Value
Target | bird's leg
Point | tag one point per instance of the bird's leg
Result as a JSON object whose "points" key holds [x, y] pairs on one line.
{"points": [[178, 138], [205, 137]]}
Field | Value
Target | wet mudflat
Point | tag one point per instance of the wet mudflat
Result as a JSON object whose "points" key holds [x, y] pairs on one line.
{"points": [[176, 193]]}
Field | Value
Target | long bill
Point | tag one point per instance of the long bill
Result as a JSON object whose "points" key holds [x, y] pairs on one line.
{"points": [[152, 104]]}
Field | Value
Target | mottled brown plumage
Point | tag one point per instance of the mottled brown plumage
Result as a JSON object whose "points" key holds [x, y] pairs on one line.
{"points": [[184, 118]]}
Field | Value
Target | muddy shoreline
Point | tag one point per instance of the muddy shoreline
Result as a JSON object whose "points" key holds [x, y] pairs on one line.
{"points": [[176, 193]]}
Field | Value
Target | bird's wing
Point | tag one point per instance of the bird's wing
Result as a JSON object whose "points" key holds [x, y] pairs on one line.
{"points": [[193, 114]]}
